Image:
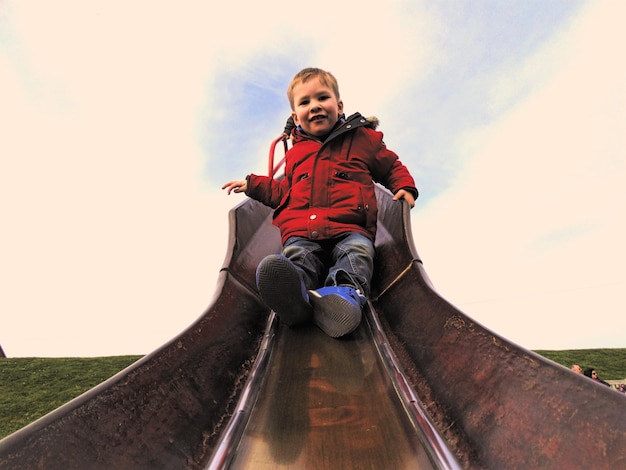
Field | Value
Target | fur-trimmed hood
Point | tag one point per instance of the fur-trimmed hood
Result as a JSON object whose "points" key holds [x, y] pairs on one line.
{"points": [[372, 122]]}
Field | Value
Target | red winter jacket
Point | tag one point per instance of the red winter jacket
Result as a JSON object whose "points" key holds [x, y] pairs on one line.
{"points": [[328, 189]]}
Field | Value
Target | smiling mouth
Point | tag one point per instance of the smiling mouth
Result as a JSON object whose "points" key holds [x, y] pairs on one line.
{"points": [[317, 118]]}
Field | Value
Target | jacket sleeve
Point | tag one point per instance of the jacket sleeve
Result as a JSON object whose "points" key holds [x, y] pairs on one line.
{"points": [[387, 169], [266, 190]]}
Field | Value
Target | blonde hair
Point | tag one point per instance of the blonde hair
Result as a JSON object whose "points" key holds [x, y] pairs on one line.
{"points": [[304, 75]]}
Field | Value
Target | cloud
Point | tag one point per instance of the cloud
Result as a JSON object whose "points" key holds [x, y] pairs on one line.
{"points": [[533, 240], [109, 224]]}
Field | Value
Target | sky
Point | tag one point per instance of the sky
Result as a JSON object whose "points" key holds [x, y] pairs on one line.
{"points": [[120, 121]]}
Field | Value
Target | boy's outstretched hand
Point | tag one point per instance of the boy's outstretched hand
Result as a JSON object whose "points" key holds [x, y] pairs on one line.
{"points": [[406, 195], [239, 186]]}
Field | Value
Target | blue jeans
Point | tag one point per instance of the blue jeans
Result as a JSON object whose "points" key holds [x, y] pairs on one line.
{"points": [[344, 260]]}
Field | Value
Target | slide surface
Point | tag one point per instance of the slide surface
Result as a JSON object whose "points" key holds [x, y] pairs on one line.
{"points": [[325, 403]]}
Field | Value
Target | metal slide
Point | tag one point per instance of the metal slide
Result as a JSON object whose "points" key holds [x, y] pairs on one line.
{"points": [[419, 385], [327, 403]]}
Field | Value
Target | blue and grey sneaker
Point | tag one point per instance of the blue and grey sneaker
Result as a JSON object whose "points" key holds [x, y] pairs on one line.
{"points": [[281, 289], [337, 309]]}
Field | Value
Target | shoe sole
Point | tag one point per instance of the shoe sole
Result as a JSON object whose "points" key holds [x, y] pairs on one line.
{"points": [[334, 315], [280, 288]]}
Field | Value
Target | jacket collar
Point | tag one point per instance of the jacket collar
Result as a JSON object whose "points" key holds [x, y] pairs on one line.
{"points": [[354, 121]]}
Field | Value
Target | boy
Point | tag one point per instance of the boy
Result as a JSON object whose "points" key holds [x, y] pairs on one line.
{"points": [[325, 208]]}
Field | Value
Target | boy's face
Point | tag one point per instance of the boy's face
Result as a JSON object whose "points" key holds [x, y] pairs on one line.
{"points": [[316, 108]]}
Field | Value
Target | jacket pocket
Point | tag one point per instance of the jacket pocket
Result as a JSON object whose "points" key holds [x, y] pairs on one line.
{"points": [[369, 207]]}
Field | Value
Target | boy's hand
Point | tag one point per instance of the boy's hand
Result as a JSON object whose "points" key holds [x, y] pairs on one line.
{"points": [[239, 186], [406, 195]]}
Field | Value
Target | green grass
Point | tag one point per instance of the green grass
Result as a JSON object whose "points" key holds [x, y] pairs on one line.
{"points": [[32, 387], [609, 363]]}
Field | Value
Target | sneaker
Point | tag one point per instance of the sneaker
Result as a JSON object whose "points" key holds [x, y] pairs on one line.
{"points": [[336, 309], [281, 289]]}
